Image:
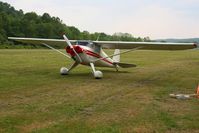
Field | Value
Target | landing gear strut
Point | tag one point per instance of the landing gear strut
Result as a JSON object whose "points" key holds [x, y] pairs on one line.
{"points": [[96, 74], [65, 71]]}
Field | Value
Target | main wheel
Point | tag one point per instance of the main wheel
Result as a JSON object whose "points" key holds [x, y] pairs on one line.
{"points": [[64, 71], [98, 74]]}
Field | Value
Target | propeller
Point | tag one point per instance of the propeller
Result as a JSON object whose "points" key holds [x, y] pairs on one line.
{"points": [[71, 47]]}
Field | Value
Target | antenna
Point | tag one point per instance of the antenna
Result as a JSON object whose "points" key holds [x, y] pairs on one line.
{"points": [[98, 37]]}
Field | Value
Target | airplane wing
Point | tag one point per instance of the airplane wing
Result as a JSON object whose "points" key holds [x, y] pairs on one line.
{"points": [[113, 44], [54, 42], [146, 45]]}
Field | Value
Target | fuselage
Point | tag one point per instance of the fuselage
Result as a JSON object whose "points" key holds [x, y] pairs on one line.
{"points": [[89, 53]]}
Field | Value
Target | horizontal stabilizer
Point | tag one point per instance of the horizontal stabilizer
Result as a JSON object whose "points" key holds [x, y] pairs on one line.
{"points": [[125, 65]]}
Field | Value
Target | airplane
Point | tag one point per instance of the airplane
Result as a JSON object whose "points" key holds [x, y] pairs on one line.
{"points": [[90, 53]]}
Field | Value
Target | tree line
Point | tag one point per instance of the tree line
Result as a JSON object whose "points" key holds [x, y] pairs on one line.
{"points": [[16, 23]]}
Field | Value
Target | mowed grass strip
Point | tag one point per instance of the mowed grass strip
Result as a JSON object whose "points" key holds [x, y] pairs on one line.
{"points": [[34, 97]]}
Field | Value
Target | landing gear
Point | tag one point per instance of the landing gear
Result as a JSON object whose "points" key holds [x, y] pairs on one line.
{"points": [[65, 71], [96, 74], [117, 68]]}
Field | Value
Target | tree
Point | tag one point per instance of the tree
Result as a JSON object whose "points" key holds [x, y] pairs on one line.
{"points": [[46, 18], [16, 23], [85, 35]]}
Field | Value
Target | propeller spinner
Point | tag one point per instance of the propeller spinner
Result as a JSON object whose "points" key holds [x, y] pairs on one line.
{"points": [[72, 48]]}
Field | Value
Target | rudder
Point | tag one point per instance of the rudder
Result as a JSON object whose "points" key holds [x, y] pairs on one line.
{"points": [[116, 58]]}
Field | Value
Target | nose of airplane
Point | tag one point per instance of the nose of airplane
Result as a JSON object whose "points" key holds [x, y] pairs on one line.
{"points": [[70, 51], [78, 49]]}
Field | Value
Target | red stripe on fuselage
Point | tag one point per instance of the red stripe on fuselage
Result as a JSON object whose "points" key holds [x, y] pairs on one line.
{"points": [[97, 56], [88, 52]]}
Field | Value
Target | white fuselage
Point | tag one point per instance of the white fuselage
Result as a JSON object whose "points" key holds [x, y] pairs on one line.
{"points": [[90, 54]]}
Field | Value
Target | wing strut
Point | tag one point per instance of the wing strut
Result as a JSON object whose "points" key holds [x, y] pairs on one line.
{"points": [[56, 50], [118, 53]]}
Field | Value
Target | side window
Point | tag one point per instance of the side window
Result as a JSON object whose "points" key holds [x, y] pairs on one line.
{"points": [[97, 48]]}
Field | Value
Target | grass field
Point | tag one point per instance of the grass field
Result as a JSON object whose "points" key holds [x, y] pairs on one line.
{"points": [[35, 98]]}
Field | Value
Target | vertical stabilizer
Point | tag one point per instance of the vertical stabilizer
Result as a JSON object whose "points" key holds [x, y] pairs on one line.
{"points": [[116, 58]]}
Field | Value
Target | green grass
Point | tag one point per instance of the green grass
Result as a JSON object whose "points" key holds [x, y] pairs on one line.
{"points": [[35, 98]]}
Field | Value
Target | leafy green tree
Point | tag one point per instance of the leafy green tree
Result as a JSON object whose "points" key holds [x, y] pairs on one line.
{"points": [[16, 23]]}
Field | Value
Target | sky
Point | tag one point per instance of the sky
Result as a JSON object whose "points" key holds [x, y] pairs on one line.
{"points": [[157, 19]]}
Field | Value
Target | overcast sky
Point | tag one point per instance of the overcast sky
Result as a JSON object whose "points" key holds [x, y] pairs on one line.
{"points": [[153, 18]]}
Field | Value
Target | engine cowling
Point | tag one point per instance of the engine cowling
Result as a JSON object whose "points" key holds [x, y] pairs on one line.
{"points": [[77, 48]]}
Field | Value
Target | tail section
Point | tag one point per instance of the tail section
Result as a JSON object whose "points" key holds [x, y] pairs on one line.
{"points": [[125, 65], [116, 58]]}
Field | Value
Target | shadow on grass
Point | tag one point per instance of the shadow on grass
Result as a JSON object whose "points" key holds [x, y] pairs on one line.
{"points": [[89, 73], [113, 71]]}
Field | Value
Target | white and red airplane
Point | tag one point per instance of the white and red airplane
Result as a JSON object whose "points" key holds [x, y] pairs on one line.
{"points": [[90, 53]]}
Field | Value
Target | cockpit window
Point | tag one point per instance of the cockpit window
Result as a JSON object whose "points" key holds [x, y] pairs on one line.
{"points": [[82, 43]]}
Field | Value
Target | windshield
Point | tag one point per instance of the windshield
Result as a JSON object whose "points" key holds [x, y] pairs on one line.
{"points": [[83, 43]]}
